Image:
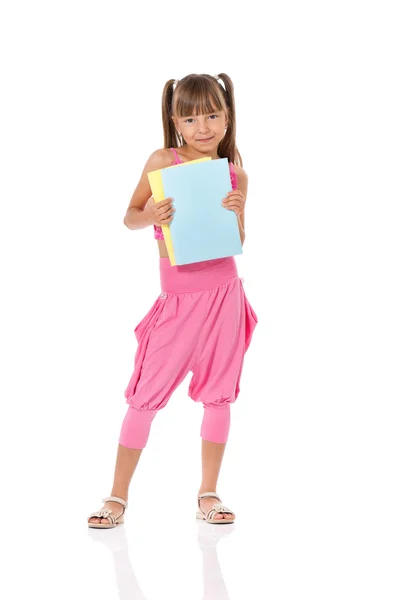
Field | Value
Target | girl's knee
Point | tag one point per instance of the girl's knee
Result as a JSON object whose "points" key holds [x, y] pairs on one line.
{"points": [[216, 422], [136, 427]]}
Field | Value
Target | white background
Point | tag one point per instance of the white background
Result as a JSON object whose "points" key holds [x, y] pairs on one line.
{"points": [[311, 464]]}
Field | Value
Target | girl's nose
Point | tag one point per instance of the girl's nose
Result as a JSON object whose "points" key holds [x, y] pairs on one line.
{"points": [[203, 126]]}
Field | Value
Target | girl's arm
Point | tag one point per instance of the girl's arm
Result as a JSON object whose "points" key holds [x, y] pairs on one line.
{"points": [[241, 230], [243, 181], [136, 217]]}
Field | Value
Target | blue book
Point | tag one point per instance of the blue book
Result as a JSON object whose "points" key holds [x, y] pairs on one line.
{"points": [[201, 229]]}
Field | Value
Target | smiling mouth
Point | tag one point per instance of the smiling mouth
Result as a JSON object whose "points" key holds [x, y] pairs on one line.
{"points": [[206, 139]]}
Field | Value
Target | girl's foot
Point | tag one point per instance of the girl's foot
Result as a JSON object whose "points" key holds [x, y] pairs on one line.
{"points": [[207, 503], [115, 507]]}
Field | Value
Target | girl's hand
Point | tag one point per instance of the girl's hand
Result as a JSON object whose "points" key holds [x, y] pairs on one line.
{"points": [[235, 201], [159, 213]]}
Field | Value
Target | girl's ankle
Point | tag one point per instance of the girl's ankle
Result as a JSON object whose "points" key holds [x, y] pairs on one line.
{"points": [[123, 495]]}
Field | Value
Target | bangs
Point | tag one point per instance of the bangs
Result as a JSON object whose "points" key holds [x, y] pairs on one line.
{"points": [[198, 97]]}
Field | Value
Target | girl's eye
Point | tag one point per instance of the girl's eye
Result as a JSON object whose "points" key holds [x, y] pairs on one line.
{"points": [[186, 120]]}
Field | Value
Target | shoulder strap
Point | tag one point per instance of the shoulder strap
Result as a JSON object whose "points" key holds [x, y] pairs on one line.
{"points": [[175, 155]]}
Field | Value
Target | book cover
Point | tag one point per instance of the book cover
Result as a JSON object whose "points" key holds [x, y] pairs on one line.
{"points": [[202, 229]]}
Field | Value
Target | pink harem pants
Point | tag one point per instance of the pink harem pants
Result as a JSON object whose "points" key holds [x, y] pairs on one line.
{"points": [[201, 322]]}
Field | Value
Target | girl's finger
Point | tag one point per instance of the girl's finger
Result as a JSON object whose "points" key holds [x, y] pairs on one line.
{"points": [[168, 214], [232, 204], [234, 194], [165, 209], [233, 199], [165, 201]]}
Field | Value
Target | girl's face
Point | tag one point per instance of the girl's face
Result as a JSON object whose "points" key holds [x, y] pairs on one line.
{"points": [[202, 132]]}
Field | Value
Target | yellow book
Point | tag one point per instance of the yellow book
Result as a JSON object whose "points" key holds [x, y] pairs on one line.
{"points": [[156, 183]]}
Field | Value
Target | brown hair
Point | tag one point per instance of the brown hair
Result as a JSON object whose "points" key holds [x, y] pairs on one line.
{"points": [[200, 94]]}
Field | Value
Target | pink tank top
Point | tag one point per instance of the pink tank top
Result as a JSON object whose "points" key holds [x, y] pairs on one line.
{"points": [[177, 161]]}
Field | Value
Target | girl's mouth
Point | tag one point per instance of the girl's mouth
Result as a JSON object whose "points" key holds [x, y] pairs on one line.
{"points": [[207, 140]]}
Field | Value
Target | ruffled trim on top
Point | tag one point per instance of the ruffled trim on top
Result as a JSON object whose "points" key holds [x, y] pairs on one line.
{"points": [[158, 232], [234, 178]]}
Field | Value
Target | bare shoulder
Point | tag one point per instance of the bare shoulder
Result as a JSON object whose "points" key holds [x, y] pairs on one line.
{"points": [[240, 172], [159, 159]]}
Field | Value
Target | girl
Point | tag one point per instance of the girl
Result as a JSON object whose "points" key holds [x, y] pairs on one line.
{"points": [[202, 321]]}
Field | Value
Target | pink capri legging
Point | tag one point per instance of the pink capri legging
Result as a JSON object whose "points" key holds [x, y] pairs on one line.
{"points": [[201, 322]]}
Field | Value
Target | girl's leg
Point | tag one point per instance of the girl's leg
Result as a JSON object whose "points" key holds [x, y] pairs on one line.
{"points": [[226, 333], [212, 455], [133, 438], [126, 463]]}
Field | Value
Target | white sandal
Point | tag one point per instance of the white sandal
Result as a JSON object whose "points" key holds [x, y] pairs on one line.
{"points": [[216, 508], [106, 513]]}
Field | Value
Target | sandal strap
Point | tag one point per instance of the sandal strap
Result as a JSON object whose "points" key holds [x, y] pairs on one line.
{"points": [[207, 495], [218, 508], [116, 499], [104, 513]]}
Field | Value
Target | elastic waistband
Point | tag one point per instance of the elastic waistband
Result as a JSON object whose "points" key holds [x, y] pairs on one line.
{"points": [[196, 276]]}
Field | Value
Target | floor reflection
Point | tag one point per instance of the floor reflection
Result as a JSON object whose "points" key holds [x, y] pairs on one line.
{"points": [[208, 536], [214, 587]]}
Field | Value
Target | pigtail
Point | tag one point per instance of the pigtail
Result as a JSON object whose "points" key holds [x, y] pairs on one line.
{"points": [[169, 131], [227, 146]]}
